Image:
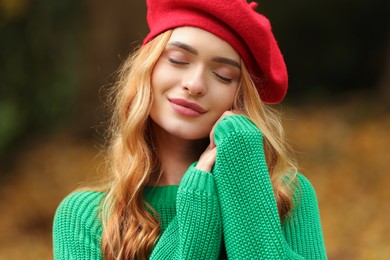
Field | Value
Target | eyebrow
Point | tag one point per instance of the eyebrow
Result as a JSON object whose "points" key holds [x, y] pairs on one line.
{"points": [[192, 50], [227, 61], [184, 47]]}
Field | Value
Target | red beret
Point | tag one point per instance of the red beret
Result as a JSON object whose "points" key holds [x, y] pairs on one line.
{"points": [[236, 22]]}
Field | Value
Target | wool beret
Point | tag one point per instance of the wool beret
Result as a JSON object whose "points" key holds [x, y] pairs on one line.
{"points": [[236, 22]]}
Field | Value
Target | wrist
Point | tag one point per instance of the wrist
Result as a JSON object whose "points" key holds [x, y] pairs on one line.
{"points": [[196, 179]]}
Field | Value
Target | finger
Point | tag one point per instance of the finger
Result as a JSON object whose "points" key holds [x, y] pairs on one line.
{"points": [[207, 160], [212, 143]]}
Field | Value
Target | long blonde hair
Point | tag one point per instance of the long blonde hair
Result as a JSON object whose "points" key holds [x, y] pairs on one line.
{"points": [[131, 226]]}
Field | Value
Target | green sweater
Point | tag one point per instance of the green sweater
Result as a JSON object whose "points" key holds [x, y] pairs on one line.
{"points": [[228, 213]]}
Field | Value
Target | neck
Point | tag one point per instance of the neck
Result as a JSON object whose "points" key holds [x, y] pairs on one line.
{"points": [[176, 156]]}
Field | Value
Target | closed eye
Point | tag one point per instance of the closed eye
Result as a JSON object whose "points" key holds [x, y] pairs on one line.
{"points": [[177, 62], [227, 80]]}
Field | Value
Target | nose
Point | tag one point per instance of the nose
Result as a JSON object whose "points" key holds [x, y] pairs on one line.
{"points": [[195, 83]]}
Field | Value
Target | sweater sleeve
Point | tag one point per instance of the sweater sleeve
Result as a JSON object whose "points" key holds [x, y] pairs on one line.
{"points": [[76, 227], [195, 232], [250, 219]]}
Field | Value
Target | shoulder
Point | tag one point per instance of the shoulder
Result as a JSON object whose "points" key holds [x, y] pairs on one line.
{"points": [[304, 198], [80, 203], [77, 227], [304, 188], [79, 210], [302, 226]]}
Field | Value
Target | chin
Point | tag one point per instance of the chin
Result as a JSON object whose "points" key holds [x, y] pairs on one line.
{"points": [[190, 135], [184, 130]]}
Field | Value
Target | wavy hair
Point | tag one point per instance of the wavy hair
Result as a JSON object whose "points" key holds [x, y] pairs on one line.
{"points": [[130, 225]]}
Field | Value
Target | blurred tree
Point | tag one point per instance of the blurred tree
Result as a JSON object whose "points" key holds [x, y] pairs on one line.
{"points": [[112, 30], [39, 53], [54, 59], [384, 83], [331, 47]]}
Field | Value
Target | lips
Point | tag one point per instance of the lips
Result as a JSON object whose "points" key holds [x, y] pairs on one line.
{"points": [[188, 105]]}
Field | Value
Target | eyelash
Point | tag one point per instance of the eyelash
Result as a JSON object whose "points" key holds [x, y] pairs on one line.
{"points": [[227, 80], [176, 62]]}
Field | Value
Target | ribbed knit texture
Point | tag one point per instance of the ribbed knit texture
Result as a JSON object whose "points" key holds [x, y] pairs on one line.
{"points": [[77, 229], [230, 212]]}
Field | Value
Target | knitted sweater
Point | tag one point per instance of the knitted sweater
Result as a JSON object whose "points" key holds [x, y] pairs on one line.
{"points": [[228, 213]]}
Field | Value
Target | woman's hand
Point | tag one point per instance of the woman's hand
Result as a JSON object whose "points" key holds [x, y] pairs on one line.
{"points": [[207, 159]]}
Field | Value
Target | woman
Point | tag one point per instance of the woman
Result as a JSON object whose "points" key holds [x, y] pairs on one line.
{"points": [[198, 165]]}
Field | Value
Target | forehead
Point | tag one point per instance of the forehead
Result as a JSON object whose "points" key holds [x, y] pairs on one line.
{"points": [[203, 40]]}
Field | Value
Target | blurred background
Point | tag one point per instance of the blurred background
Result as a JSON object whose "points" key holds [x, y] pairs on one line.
{"points": [[57, 62]]}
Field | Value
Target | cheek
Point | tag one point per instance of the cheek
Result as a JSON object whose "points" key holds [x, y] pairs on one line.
{"points": [[224, 100], [156, 75], [163, 78]]}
